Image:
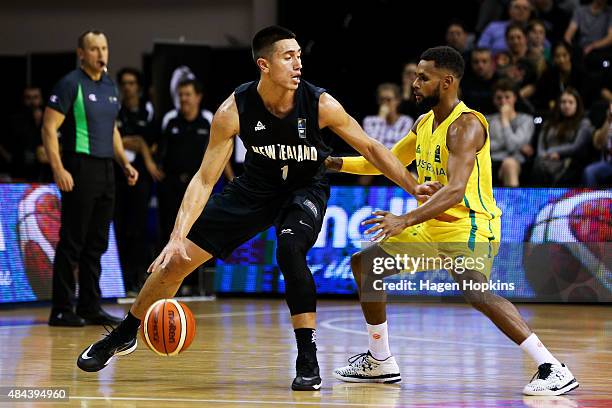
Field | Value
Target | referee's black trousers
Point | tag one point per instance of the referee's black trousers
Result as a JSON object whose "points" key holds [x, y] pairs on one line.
{"points": [[86, 214]]}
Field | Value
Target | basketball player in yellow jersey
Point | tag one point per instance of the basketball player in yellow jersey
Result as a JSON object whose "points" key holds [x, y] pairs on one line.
{"points": [[450, 144]]}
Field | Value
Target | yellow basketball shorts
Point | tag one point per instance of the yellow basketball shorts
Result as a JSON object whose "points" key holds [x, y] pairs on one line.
{"points": [[465, 244]]}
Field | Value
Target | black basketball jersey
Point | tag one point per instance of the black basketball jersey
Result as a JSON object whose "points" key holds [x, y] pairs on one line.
{"points": [[282, 154]]}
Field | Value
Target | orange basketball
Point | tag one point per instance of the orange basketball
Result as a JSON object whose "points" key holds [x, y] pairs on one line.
{"points": [[168, 327]]}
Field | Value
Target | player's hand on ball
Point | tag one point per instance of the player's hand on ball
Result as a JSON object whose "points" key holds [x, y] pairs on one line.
{"points": [[387, 225], [174, 248], [423, 192]]}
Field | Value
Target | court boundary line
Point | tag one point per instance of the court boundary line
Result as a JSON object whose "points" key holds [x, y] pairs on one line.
{"points": [[329, 324], [228, 401]]}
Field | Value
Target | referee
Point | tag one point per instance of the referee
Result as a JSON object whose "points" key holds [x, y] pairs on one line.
{"points": [[83, 106]]}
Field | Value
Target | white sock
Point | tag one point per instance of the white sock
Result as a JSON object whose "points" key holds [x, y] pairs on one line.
{"points": [[536, 350], [378, 341]]}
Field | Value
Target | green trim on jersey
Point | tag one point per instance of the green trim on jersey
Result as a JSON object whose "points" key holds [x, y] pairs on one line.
{"points": [[80, 122]]}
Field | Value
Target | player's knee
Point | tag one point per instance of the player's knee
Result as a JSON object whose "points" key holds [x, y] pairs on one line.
{"points": [[288, 250]]}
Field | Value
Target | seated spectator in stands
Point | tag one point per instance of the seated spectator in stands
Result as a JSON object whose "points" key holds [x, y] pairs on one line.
{"points": [[593, 24], [389, 125], [25, 137], [539, 47], [522, 70], [408, 106], [494, 35], [562, 142], [458, 37], [554, 18], [510, 133], [600, 173], [562, 74], [477, 86]]}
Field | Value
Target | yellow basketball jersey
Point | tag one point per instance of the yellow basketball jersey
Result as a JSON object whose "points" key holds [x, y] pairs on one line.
{"points": [[432, 160]]}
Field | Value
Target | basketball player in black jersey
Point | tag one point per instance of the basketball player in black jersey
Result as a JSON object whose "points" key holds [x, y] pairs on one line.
{"points": [[279, 118]]}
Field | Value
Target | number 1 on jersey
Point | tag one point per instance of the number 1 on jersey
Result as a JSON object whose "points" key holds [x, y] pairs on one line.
{"points": [[284, 171]]}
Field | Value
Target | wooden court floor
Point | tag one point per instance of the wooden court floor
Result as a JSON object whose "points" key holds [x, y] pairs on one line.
{"points": [[243, 356]]}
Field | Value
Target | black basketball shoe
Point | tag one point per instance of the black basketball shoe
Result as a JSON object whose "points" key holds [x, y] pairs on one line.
{"points": [[307, 373], [99, 354]]}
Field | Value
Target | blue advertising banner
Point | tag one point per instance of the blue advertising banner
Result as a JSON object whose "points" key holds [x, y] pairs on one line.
{"points": [[29, 232], [531, 218]]}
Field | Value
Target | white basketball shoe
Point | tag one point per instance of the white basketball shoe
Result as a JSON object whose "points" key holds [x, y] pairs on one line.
{"points": [[551, 379], [365, 368]]}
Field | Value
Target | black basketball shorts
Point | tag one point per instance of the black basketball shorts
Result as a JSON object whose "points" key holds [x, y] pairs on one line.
{"points": [[234, 216]]}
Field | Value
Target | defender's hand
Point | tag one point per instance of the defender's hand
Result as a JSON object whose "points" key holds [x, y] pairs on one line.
{"points": [[387, 225], [333, 163]]}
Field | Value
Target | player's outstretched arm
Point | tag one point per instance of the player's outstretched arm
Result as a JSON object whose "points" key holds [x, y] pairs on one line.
{"points": [[404, 150], [465, 137], [225, 125], [333, 115]]}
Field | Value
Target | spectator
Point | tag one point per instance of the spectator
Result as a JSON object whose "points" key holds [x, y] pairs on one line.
{"points": [[477, 86], [561, 75], [563, 139], [132, 202], [408, 106], [458, 38], [554, 18], [600, 173], [24, 137], [494, 35], [593, 24], [521, 69], [539, 47], [510, 133], [389, 125]]}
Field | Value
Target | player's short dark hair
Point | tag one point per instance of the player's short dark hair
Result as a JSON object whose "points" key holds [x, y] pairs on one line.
{"points": [[197, 85], [505, 85], [81, 39], [265, 39], [446, 57], [130, 71]]}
